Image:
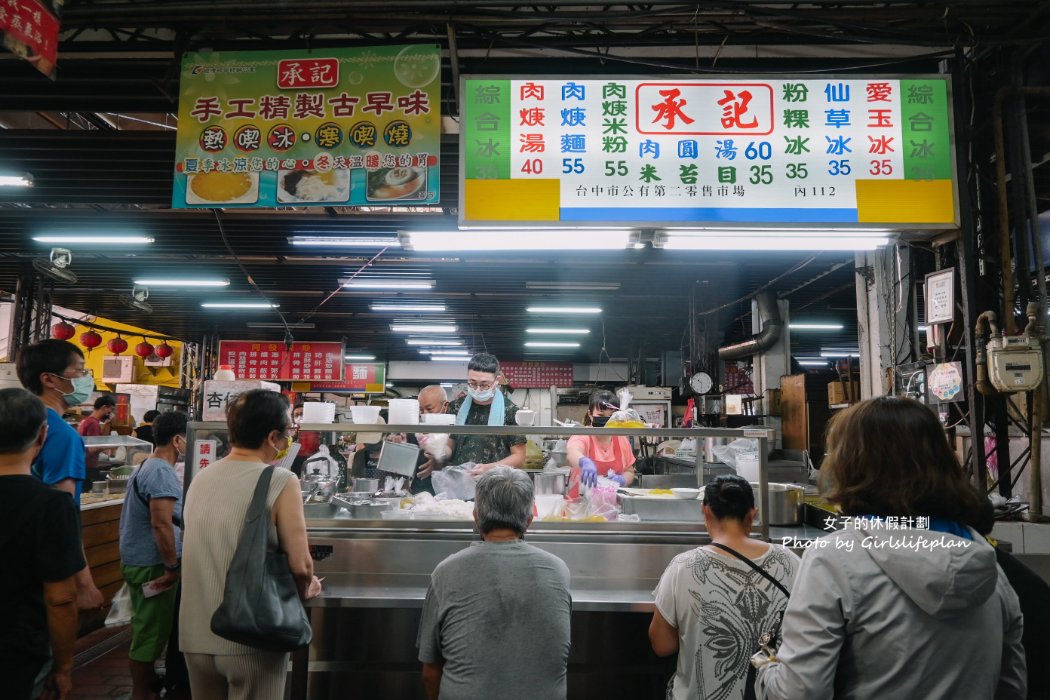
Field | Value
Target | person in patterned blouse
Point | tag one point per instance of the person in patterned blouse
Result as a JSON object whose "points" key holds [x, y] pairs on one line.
{"points": [[486, 404]]}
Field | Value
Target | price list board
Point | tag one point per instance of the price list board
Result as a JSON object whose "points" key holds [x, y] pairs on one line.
{"points": [[537, 375], [275, 362], [359, 378]]}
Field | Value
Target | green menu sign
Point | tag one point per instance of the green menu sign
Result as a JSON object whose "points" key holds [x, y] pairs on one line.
{"points": [[301, 128]]}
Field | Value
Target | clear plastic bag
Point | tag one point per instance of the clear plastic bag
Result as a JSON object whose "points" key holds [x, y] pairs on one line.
{"points": [[728, 454], [120, 612], [454, 482]]}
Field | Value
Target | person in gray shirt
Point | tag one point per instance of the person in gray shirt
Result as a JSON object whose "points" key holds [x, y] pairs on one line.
{"points": [[496, 616]]}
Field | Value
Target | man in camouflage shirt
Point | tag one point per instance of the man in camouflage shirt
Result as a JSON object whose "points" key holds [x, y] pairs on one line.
{"points": [[484, 393]]}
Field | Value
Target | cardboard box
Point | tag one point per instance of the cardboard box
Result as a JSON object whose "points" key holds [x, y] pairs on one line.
{"points": [[843, 392]]}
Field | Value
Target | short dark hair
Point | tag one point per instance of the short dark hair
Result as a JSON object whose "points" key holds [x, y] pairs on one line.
{"points": [[483, 362], [255, 414], [729, 496], [889, 456], [168, 426], [599, 399], [51, 355], [22, 416], [150, 416], [105, 400]]}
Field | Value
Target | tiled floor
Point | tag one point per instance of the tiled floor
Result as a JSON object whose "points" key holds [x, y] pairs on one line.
{"points": [[101, 667]]}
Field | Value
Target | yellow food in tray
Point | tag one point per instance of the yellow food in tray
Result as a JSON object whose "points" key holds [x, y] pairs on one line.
{"points": [[661, 492], [221, 187]]}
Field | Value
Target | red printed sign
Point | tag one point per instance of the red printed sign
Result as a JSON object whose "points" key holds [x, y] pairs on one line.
{"points": [[30, 31], [273, 362], [537, 375], [704, 108], [307, 73], [358, 378]]}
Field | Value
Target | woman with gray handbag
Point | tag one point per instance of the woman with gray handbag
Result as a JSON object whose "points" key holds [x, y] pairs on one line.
{"points": [[246, 563]]}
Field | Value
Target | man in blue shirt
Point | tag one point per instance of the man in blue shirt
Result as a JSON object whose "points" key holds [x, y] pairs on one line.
{"points": [[150, 547], [54, 371]]}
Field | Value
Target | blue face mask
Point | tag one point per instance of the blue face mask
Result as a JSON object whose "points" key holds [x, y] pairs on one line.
{"points": [[478, 395], [82, 388]]}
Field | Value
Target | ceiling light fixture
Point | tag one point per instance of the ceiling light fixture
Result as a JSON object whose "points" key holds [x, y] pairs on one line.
{"points": [[170, 282], [550, 344], [238, 305], [432, 341], [574, 286], [815, 326], [489, 240], [446, 358], [813, 363], [25, 180], [363, 358], [461, 353], [839, 353], [764, 241], [377, 283], [345, 242], [413, 308], [564, 310], [99, 240], [559, 331], [301, 326], [422, 328]]}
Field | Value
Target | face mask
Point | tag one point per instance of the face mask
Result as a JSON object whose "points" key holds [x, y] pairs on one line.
{"points": [[599, 421], [82, 388], [281, 454], [478, 395]]}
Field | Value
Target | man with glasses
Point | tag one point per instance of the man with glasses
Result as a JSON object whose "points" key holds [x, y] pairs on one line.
{"points": [[54, 371], [486, 404]]}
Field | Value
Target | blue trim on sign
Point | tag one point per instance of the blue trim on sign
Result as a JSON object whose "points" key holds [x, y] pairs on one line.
{"points": [[771, 216]]}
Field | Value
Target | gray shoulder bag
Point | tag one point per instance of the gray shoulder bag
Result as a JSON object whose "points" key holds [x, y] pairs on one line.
{"points": [[260, 603]]}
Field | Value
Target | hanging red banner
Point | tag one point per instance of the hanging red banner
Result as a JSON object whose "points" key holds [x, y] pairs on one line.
{"points": [[30, 30]]}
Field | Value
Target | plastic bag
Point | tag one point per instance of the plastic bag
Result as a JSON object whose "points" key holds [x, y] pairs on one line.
{"points": [[727, 454], [435, 446], [454, 482], [120, 612]]}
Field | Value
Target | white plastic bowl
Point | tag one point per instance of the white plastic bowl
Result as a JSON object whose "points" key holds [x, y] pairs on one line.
{"points": [[365, 415], [686, 494]]}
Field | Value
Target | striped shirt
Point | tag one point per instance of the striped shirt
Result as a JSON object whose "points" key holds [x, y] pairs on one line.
{"points": [[216, 505]]}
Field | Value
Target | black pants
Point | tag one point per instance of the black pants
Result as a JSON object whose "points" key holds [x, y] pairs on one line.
{"points": [[176, 677], [18, 672]]}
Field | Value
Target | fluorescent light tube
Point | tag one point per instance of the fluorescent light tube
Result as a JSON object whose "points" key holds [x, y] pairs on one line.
{"points": [[564, 310], [345, 242], [446, 358], [102, 240], [460, 353], [838, 353], [517, 239], [364, 358], [732, 242], [238, 305], [434, 341], [387, 284], [559, 331], [422, 328], [813, 363], [16, 181], [574, 286], [170, 282], [420, 308], [549, 344], [815, 326]]}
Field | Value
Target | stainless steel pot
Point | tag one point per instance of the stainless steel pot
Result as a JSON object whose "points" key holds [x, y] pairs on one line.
{"points": [[361, 485], [550, 483], [785, 503]]}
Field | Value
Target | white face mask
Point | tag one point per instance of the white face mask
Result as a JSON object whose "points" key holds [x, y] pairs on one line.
{"points": [[478, 395]]}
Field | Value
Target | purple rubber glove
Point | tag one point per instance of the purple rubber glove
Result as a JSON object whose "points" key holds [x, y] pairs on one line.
{"points": [[588, 472], [618, 478]]}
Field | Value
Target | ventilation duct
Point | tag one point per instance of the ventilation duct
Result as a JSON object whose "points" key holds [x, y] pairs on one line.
{"points": [[772, 327]]}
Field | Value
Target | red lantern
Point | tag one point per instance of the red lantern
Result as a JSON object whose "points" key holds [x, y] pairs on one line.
{"points": [[164, 350], [144, 350], [63, 331], [90, 340], [117, 345]]}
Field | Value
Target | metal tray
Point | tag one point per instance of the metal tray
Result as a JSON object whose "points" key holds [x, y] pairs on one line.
{"points": [[663, 508]]}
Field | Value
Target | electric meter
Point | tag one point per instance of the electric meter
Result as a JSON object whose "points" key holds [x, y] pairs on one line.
{"points": [[1015, 363]]}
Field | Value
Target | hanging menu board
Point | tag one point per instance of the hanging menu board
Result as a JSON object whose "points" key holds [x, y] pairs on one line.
{"points": [[747, 151], [309, 128], [358, 378], [537, 375], [29, 28], [275, 362]]}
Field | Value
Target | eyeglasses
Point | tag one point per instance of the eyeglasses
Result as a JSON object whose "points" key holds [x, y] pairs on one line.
{"points": [[77, 373], [481, 386]]}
